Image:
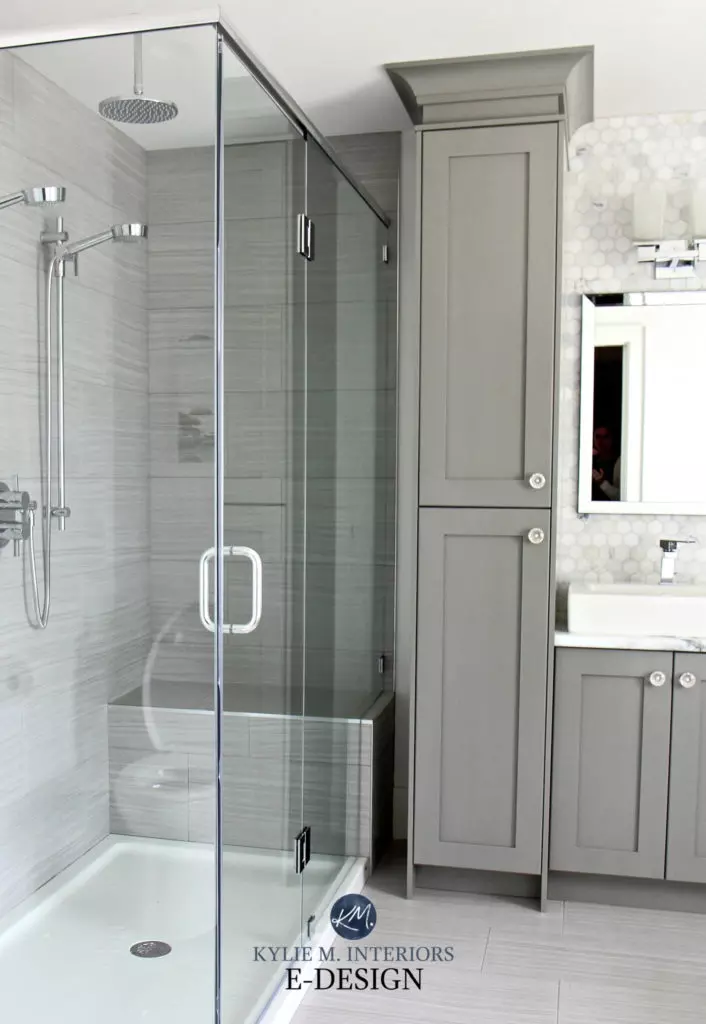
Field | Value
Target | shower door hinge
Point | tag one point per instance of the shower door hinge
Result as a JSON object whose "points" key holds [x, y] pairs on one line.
{"points": [[302, 849], [386, 253], [305, 237]]}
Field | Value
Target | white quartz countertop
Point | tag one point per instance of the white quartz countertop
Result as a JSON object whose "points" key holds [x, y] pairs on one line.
{"points": [[562, 638]]}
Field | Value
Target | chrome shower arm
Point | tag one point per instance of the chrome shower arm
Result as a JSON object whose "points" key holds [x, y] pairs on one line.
{"points": [[11, 200], [64, 251]]}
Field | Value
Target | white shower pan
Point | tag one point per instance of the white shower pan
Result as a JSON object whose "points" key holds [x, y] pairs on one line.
{"points": [[65, 952]]}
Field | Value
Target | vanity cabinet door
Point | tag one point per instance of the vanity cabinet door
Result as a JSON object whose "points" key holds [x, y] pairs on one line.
{"points": [[489, 198], [610, 762], [481, 688], [686, 849]]}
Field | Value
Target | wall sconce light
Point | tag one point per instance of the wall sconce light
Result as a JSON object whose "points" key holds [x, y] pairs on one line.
{"points": [[672, 258]]}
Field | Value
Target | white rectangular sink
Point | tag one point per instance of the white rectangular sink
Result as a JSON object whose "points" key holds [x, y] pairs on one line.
{"points": [[637, 609]]}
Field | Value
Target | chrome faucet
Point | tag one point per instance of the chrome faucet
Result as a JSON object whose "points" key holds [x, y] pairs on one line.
{"points": [[670, 548]]}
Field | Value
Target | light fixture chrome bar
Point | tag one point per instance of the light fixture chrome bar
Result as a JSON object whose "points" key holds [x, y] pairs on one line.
{"points": [[672, 258]]}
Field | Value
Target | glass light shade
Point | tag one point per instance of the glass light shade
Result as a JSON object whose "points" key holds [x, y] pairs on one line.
{"points": [[648, 205], [697, 210]]}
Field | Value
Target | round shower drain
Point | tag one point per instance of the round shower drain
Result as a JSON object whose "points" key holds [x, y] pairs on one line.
{"points": [[150, 948]]}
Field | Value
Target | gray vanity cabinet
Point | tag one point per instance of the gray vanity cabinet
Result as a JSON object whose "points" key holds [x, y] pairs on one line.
{"points": [[489, 246], [611, 762], [481, 688], [686, 849]]}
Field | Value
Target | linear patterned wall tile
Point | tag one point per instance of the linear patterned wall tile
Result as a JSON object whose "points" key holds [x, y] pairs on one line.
{"points": [[148, 794], [56, 682]]}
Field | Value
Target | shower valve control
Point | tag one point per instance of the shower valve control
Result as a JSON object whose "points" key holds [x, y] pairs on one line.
{"points": [[15, 522], [14, 501]]}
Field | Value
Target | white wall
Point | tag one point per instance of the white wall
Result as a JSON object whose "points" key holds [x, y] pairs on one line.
{"points": [[55, 684]]}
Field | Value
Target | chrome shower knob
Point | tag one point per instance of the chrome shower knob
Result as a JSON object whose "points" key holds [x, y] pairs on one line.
{"points": [[535, 535], [687, 680], [537, 481], [657, 678]]}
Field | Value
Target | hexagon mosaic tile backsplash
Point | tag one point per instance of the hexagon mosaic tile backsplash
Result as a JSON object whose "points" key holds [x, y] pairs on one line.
{"points": [[607, 158]]}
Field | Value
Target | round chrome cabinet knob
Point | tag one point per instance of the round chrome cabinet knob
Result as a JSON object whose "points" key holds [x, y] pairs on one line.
{"points": [[687, 680], [536, 535], [657, 678], [537, 481]]}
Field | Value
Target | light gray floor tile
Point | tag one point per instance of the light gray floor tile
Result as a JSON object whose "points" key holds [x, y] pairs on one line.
{"points": [[600, 1003], [632, 930], [465, 913], [576, 964], [554, 960], [448, 996]]}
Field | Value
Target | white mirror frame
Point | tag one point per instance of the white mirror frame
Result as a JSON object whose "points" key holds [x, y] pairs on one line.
{"points": [[632, 400]]}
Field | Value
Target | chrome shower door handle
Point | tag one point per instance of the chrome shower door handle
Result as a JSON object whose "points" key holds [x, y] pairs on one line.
{"points": [[256, 562], [205, 588]]}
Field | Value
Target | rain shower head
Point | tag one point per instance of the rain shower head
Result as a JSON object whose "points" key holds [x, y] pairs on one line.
{"points": [[137, 109], [117, 233], [42, 195]]}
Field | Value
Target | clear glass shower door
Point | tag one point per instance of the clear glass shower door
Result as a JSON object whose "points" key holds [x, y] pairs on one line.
{"points": [[349, 427], [263, 512]]}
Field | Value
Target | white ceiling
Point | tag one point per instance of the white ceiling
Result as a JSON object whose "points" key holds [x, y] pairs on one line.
{"points": [[650, 54]]}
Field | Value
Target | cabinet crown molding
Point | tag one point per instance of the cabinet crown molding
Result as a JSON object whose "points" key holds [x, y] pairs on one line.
{"points": [[551, 84]]}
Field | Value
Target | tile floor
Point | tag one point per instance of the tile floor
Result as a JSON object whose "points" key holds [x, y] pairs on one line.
{"points": [[577, 964]]}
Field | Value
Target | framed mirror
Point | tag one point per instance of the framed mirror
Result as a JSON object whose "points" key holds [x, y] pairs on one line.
{"points": [[643, 373]]}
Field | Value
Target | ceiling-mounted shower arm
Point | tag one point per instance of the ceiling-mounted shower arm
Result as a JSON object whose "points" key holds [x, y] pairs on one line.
{"points": [[137, 108], [138, 83]]}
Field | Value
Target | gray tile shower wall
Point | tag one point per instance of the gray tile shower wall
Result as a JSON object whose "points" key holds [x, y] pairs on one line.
{"points": [[607, 159], [263, 290], [55, 684]]}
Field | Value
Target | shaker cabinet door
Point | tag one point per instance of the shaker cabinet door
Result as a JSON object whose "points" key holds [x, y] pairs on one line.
{"points": [[481, 688], [686, 849], [489, 199], [610, 762]]}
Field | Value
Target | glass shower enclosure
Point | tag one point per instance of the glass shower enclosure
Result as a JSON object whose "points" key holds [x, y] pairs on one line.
{"points": [[205, 477]]}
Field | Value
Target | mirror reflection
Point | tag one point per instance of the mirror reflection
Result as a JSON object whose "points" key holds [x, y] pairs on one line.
{"points": [[642, 369]]}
